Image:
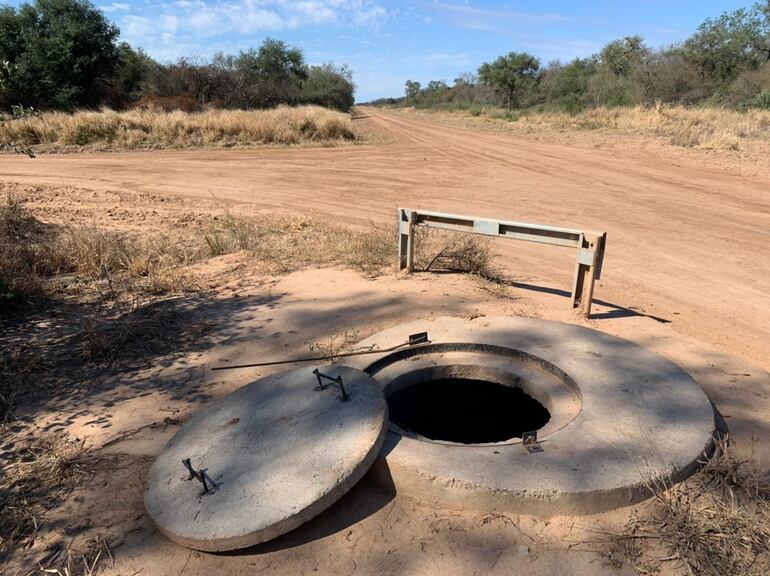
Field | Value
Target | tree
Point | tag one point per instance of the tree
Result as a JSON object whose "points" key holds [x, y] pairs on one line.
{"points": [[437, 86], [622, 56], [329, 86], [412, 89], [466, 80], [511, 75], [734, 42], [567, 85], [277, 71], [129, 80], [60, 54]]}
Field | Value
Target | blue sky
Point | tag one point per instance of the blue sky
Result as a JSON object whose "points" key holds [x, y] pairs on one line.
{"points": [[386, 43]]}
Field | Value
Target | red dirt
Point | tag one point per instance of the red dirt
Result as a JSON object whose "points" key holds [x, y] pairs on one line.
{"points": [[686, 243], [687, 275]]}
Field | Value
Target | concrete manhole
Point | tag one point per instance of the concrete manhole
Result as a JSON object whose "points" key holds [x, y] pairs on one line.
{"points": [[618, 416], [606, 416]]}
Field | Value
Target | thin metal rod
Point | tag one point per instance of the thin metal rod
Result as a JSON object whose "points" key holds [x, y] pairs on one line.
{"points": [[314, 358], [342, 387]]}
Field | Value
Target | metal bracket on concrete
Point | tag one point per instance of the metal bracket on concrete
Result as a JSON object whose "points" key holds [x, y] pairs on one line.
{"points": [[590, 244], [338, 381], [530, 442], [200, 475]]}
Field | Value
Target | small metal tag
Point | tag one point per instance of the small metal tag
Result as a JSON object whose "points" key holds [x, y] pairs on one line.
{"points": [[530, 443], [419, 338]]}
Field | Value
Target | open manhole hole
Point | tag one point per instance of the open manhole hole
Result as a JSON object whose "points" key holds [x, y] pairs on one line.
{"points": [[474, 395], [465, 410]]}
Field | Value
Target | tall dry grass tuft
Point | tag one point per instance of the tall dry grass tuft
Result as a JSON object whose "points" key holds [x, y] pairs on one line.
{"points": [[280, 244], [711, 128], [716, 523], [25, 251], [439, 250], [154, 128]]}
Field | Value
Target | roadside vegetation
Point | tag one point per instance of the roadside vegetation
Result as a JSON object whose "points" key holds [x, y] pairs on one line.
{"points": [[34, 254], [690, 127], [725, 63], [132, 285], [713, 524], [64, 74], [697, 127], [65, 55], [151, 127]]}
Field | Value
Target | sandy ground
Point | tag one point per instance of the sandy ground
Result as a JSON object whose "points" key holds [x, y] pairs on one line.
{"points": [[686, 274], [686, 242]]}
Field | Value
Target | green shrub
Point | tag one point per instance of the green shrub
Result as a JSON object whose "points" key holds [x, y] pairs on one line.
{"points": [[762, 100]]}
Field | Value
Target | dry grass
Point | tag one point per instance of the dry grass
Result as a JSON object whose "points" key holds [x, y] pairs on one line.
{"points": [[704, 128], [154, 129], [86, 561], [716, 523], [281, 244], [445, 251], [17, 377], [712, 128], [119, 277], [439, 250], [156, 263], [24, 251], [36, 478], [32, 252], [125, 328]]}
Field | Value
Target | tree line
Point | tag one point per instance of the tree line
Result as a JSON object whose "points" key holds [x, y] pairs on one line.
{"points": [[725, 62], [64, 54]]}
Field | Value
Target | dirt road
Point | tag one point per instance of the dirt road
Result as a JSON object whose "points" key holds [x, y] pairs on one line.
{"points": [[687, 243]]}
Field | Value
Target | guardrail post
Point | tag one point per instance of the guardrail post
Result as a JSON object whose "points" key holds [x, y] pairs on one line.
{"points": [[406, 240], [587, 268]]}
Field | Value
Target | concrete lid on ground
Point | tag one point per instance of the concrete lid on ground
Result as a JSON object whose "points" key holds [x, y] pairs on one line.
{"points": [[274, 454]]}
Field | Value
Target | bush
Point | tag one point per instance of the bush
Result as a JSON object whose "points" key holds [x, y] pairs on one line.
{"points": [[329, 86], [762, 100], [452, 251], [566, 87], [667, 76], [608, 89], [747, 89]]}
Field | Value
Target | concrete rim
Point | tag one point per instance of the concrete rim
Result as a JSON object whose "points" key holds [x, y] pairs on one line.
{"points": [[642, 419]]}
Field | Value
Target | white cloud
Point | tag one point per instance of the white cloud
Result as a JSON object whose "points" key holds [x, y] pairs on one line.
{"points": [[441, 59], [163, 27], [221, 17], [203, 27], [115, 7], [494, 20], [369, 16]]}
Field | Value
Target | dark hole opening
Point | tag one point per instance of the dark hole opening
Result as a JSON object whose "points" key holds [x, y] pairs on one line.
{"points": [[466, 411]]}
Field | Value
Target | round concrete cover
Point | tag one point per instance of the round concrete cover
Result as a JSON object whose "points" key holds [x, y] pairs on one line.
{"points": [[279, 452]]}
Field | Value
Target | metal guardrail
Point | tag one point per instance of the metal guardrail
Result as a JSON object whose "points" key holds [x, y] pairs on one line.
{"points": [[589, 244]]}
